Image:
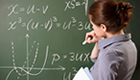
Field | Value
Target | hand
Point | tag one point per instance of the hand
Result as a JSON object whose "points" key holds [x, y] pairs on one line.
{"points": [[94, 37]]}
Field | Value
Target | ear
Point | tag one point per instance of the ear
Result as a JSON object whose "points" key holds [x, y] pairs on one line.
{"points": [[103, 27]]}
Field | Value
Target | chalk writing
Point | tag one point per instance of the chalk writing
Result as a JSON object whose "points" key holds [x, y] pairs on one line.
{"points": [[70, 75], [25, 67], [79, 56], [72, 4], [48, 25], [32, 9], [35, 17], [82, 57]]}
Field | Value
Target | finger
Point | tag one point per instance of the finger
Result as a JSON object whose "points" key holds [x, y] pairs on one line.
{"points": [[89, 34]]}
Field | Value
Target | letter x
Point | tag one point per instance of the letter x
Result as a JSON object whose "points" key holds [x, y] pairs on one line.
{"points": [[67, 6], [12, 9]]}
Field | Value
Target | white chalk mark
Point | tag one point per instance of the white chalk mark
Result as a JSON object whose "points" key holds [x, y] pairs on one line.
{"points": [[9, 74], [45, 9], [11, 67], [26, 69], [27, 54], [12, 25], [35, 68], [86, 7], [13, 7], [35, 57], [31, 9], [29, 24]]}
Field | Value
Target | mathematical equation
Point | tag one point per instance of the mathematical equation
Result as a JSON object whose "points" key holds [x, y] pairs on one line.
{"points": [[32, 24], [32, 9], [15, 9], [25, 70], [23, 17], [73, 4], [82, 57], [48, 25]]}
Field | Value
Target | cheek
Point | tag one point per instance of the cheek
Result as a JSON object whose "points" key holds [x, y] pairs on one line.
{"points": [[99, 32]]}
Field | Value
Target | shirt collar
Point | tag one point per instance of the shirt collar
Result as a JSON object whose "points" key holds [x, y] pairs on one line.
{"points": [[108, 41]]}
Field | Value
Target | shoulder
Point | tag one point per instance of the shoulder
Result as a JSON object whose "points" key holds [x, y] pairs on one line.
{"points": [[110, 57]]}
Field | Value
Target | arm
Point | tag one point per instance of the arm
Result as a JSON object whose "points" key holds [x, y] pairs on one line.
{"points": [[95, 39], [108, 66], [95, 51]]}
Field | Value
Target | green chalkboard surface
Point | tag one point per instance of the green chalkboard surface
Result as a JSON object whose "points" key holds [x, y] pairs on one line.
{"points": [[42, 39]]}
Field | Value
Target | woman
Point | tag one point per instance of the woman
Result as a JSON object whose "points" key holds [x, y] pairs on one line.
{"points": [[114, 53]]}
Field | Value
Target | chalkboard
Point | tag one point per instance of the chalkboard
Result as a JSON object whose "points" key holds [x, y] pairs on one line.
{"points": [[42, 39]]}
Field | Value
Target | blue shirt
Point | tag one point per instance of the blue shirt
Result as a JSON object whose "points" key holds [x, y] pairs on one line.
{"points": [[116, 60]]}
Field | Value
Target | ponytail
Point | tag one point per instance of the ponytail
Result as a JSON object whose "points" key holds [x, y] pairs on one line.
{"points": [[115, 15], [123, 12]]}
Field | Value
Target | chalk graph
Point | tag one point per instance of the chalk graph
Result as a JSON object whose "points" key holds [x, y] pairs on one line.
{"points": [[25, 69], [30, 59]]}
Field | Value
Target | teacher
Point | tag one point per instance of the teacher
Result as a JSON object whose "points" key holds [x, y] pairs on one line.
{"points": [[114, 53]]}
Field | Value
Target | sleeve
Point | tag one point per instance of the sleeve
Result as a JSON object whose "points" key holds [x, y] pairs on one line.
{"points": [[93, 60], [108, 67]]}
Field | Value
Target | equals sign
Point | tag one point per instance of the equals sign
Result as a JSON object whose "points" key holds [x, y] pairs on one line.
{"points": [[58, 24], [22, 9], [38, 9], [73, 24], [23, 24], [77, 3], [65, 56]]}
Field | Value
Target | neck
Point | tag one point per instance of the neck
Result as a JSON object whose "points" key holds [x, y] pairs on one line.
{"points": [[108, 34]]}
